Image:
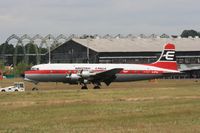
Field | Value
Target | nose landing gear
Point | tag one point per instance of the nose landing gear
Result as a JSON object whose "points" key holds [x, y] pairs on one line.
{"points": [[35, 87]]}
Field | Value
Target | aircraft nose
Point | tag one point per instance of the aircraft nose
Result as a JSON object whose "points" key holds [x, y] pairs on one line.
{"points": [[25, 75]]}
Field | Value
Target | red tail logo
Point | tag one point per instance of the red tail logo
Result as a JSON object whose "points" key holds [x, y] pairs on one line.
{"points": [[167, 59]]}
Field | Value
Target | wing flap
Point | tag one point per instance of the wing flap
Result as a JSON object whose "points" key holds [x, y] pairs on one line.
{"points": [[106, 76], [108, 73]]}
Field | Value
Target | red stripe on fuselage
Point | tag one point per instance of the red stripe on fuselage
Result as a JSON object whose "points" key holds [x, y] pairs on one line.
{"points": [[95, 71], [50, 71], [165, 64]]}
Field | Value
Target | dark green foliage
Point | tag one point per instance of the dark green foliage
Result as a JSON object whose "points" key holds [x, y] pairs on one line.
{"points": [[1, 65], [21, 67], [188, 33], [43, 50], [11, 50], [19, 49], [31, 48], [6, 48]]}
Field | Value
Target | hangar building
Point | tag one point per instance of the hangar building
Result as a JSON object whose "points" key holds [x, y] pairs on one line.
{"points": [[124, 50]]}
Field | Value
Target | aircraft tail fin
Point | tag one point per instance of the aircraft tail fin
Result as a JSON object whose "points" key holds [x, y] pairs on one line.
{"points": [[167, 59]]}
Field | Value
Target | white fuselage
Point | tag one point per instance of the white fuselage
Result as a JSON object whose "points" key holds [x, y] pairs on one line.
{"points": [[107, 73], [60, 72]]}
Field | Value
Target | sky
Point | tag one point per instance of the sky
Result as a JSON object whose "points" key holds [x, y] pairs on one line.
{"points": [[97, 17]]}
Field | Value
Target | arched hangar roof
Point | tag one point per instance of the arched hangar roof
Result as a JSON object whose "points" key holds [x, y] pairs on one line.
{"points": [[136, 44], [139, 44]]}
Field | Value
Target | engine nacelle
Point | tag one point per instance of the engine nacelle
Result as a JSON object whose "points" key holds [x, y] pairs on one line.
{"points": [[79, 77], [85, 74], [73, 78], [85, 81]]}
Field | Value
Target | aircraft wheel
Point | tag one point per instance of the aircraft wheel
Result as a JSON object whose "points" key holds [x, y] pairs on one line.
{"points": [[84, 88], [97, 87], [3, 91], [35, 89]]}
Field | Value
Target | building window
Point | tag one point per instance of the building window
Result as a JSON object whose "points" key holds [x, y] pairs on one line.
{"points": [[180, 60], [187, 60]]}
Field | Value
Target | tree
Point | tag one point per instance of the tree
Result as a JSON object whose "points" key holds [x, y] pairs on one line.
{"points": [[19, 50], [187, 33], [31, 49], [1, 65], [43, 50], [6, 48], [21, 68]]}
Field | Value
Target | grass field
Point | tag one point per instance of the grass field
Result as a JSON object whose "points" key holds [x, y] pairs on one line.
{"points": [[164, 106]]}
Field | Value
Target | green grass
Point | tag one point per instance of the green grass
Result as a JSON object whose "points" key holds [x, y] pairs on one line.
{"points": [[165, 106]]}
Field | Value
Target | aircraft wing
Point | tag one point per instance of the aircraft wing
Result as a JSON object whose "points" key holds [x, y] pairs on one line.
{"points": [[190, 70], [107, 76]]}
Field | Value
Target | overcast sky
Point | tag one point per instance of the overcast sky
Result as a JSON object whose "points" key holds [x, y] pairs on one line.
{"points": [[97, 17]]}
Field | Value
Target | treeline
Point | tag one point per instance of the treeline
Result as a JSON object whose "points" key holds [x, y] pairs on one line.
{"points": [[16, 71], [10, 50], [7, 52], [190, 33]]}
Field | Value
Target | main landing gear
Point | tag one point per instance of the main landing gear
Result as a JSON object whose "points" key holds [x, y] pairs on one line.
{"points": [[84, 87], [96, 86]]}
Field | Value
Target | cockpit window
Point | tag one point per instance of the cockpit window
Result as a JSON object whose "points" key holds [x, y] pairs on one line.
{"points": [[34, 68]]}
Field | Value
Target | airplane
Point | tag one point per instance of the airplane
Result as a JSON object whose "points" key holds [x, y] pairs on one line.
{"points": [[84, 74]]}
